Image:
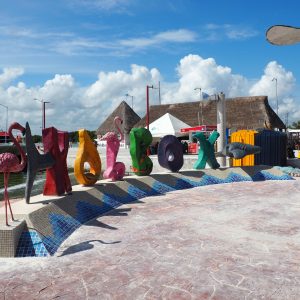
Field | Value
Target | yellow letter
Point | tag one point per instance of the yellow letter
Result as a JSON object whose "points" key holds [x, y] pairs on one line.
{"points": [[87, 153]]}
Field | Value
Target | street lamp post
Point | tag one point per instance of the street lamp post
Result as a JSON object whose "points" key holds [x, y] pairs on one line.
{"points": [[127, 95], [147, 104], [43, 111], [195, 89], [275, 79], [6, 122]]}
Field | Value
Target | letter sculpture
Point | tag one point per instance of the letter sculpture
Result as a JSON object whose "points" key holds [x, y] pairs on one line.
{"points": [[35, 162], [170, 153], [114, 170], [206, 151], [87, 153], [140, 140], [57, 177], [9, 163], [240, 150]]}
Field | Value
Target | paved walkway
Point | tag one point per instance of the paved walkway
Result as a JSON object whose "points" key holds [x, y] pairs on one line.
{"points": [[229, 241]]}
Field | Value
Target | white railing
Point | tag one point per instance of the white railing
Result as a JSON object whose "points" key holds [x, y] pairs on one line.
{"points": [[102, 144]]}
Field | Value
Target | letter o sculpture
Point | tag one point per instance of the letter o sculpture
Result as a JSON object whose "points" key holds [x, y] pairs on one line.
{"points": [[170, 153]]}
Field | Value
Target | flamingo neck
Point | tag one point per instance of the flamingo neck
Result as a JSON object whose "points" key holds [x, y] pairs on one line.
{"points": [[21, 151], [118, 128]]}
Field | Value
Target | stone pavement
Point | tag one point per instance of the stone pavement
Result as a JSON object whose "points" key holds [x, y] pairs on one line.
{"points": [[228, 241]]}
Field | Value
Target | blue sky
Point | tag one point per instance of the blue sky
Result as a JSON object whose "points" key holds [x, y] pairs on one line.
{"points": [[84, 56]]}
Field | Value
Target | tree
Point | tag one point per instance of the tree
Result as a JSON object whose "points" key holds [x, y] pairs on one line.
{"points": [[296, 125], [37, 138], [92, 134], [73, 136]]}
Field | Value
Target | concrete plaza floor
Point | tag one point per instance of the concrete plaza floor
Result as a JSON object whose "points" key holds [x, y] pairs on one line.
{"points": [[228, 241]]}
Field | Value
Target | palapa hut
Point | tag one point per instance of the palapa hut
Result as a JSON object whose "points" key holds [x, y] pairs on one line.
{"points": [[241, 113], [127, 114]]}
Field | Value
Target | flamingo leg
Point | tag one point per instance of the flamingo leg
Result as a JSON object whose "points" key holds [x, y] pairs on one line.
{"points": [[6, 177], [5, 196]]}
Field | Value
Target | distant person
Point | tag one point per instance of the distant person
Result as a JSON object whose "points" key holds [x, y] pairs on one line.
{"points": [[152, 149], [156, 147], [185, 147], [290, 150]]}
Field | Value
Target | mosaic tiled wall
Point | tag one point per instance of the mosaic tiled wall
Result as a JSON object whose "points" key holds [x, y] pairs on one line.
{"points": [[9, 239], [51, 225]]}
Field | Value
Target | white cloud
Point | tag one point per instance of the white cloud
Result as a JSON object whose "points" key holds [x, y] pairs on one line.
{"points": [[240, 33], [171, 36], [111, 88], [30, 33], [113, 6], [214, 31], [77, 45], [265, 86], [196, 72], [9, 74], [73, 107]]}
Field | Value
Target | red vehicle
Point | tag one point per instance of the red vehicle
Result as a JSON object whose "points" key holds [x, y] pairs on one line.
{"points": [[4, 137], [206, 129]]}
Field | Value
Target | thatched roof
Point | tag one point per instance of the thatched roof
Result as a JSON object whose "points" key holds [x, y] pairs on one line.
{"points": [[241, 113], [126, 113]]}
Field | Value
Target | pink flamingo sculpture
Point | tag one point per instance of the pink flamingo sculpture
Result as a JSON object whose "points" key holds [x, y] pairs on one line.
{"points": [[10, 163], [114, 170]]}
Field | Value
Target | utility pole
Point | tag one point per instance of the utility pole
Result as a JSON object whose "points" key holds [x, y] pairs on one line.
{"points": [[147, 104], [43, 111], [275, 79], [159, 99], [200, 94], [201, 108], [127, 95], [221, 126], [6, 122]]}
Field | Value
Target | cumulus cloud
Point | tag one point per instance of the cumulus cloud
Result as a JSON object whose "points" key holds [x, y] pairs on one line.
{"points": [[275, 74], [265, 86], [195, 72], [9, 74], [110, 89], [73, 106]]}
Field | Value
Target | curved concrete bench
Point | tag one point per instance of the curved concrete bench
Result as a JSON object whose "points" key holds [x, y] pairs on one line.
{"points": [[56, 219]]}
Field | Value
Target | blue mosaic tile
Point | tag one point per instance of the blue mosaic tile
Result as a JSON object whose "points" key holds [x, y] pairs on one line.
{"points": [[193, 183], [185, 183], [110, 202], [62, 227], [30, 244], [209, 179], [136, 192], [117, 200], [160, 188], [265, 175], [87, 211], [182, 184], [235, 177]]}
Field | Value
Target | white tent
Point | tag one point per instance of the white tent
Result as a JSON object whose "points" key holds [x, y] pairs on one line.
{"points": [[167, 124]]}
